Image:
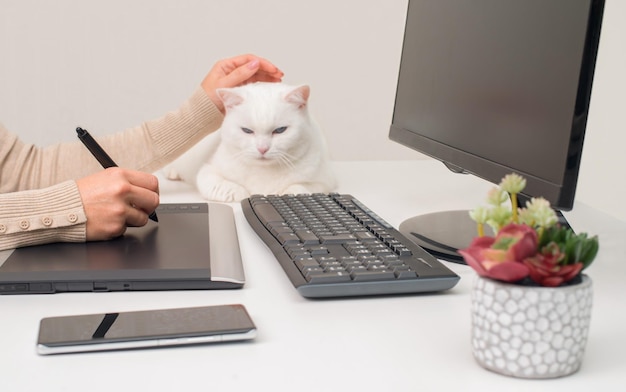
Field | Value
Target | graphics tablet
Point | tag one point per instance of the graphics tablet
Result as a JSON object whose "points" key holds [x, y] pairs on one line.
{"points": [[194, 246]]}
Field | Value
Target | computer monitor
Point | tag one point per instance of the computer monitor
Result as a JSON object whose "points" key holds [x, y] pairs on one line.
{"points": [[492, 87]]}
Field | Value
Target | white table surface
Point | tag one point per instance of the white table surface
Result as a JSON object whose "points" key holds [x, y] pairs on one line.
{"points": [[400, 343]]}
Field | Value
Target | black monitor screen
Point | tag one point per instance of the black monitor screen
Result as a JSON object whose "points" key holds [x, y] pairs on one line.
{"points": [[492, 87]]}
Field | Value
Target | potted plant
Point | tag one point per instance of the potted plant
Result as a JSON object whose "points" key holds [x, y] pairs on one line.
{"points": [[531, 303]]}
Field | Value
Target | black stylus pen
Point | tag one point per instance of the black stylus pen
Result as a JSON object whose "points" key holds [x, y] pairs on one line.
{"points": [[101, 155]]}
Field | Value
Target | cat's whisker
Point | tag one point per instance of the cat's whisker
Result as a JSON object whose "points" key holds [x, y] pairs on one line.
{"points": [[289, 156], [286, 160]]}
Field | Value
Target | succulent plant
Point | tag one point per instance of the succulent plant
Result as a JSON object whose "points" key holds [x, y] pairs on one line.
{"points": [[530, 246]]}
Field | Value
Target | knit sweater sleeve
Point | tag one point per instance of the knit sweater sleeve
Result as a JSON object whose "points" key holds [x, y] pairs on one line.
{"points": [[39, 199], [52, 214], [147, 147]]}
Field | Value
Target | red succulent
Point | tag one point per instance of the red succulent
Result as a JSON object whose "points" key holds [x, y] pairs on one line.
{"points": [[546, 267], [502, 257]]}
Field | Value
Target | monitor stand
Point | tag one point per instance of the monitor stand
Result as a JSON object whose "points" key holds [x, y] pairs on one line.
{"points": [[442, 233]]}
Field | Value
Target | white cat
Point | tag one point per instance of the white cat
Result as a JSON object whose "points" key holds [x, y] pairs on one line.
{"points": [[267, 144]]}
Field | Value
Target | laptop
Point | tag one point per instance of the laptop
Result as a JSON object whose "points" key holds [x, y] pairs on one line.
{"points": [[194, 246]]}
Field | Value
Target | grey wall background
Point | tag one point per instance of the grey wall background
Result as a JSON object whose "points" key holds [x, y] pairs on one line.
{"points": [[109, 65]]}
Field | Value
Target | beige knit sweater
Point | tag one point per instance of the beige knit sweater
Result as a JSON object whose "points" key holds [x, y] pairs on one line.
{"points": [[39, 199]]}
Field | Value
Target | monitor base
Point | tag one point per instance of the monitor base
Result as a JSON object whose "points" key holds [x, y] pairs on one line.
{"points": [[442, 233]]}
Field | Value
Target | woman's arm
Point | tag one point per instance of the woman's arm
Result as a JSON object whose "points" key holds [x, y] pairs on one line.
{"points": [[144, 148], [60, 193]]}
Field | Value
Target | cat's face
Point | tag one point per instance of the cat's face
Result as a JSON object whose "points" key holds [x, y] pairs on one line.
{"points": [[266, 122]]}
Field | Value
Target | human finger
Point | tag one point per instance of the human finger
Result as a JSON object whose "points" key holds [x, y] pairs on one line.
{"points": [[230, 64], [265, 77], [143, 180], [248, 68], [136, 217], [269, 69], [142, 196], [143, 199], [265, 72], [143, 193]]}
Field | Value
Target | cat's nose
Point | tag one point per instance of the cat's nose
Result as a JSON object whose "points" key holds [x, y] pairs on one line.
{"points": [[262, 149]]}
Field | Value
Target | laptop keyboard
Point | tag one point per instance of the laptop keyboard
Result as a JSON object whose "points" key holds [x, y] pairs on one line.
{"points": [[332, 245]]}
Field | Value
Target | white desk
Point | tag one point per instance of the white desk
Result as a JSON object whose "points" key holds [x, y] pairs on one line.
{"points": [[404, 343]]}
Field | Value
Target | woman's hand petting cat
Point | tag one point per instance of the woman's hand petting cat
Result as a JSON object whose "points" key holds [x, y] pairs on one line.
{"points": [[237, 71], [116, 198]]}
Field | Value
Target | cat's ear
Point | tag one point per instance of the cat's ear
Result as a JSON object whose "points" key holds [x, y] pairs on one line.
{"points": [[299, 96], [229, 97]]}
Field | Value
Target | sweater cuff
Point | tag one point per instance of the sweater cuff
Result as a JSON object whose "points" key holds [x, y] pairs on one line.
{"points": [[53, 214]]}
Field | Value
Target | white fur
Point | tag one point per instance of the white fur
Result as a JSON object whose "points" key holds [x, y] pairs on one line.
{"points": [[232, 164]]}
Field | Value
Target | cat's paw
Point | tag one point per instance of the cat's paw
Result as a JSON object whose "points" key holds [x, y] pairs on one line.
{"points": [[224, 191], [171, 174], [296, 189]]}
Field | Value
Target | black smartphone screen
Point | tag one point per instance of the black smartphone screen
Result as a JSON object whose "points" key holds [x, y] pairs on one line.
{"points": [[158, 326]]}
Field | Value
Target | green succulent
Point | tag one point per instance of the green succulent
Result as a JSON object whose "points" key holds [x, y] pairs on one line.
{"points": [[577, 248]]}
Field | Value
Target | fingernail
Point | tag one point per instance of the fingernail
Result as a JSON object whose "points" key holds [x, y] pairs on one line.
{"points": [[253, 64]]}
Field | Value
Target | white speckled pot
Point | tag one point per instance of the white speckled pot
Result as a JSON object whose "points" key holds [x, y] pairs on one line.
{"points": [[530, 332]]}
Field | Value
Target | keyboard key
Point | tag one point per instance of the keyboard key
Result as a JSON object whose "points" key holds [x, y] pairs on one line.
{"points": [[336, 239], [267, 213], [318, 250], [405, 274], [307, 263], [328, 277], [365, 236], [356, 268], [307, 237], [312, 271], [367, 275], [403, 251], [287, 238]]}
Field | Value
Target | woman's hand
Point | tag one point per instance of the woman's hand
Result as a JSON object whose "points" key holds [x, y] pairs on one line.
{"points": [[237, 71], [116, 198]]}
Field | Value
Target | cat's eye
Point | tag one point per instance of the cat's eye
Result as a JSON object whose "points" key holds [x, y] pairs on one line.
{"points": [[247, 130], [280, 130]]}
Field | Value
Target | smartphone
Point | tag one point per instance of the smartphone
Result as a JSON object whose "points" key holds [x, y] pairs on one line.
{"points": [[141, 329]]}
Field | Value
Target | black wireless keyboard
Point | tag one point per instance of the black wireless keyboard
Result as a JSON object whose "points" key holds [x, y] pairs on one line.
{"points": [[331, 245]]}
